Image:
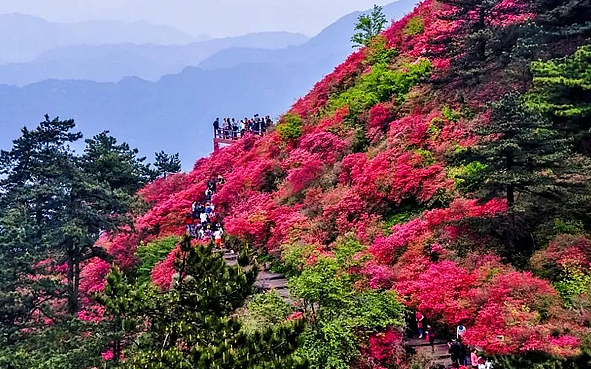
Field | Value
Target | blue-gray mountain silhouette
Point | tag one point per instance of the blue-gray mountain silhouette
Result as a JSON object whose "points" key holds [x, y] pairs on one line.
{"points": [[24, 37], [175, 113], [112, 62]]}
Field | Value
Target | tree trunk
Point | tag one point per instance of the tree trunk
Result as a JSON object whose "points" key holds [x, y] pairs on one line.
{"points": [[509, 162], [510, 204], [73, 280], [72, 299]]}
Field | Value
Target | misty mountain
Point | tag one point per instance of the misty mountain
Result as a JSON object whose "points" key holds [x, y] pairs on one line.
{"points": [[24, 37], [112, 62], [325, 50], [175, 113]]}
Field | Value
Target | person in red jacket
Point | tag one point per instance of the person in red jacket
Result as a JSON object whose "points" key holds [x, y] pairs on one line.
{"points": [[419, 318]]}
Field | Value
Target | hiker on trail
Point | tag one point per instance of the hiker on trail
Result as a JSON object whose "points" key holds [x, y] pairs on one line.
{"points": [[207, 232], [203, 218], [217, 235], [189, 224], [216, 126], [455, 349], [430, 336], [460, 331], [474, 358], [208, 194], [484, 363], [211, 184], [419, 318]]}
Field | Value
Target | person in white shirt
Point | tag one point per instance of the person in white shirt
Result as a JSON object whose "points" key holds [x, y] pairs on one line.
{"points": [[217, 236], [460, 331]]}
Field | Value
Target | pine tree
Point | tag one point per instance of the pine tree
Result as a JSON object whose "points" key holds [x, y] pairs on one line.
{"points": [[191, 325], [369, 26], [562, 87], [531, 165], [167, 164], [117, 164], [32, 190], [63, 202]]}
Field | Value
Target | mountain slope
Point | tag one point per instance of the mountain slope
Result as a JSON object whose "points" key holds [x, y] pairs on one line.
{"points": [[422, 169], [110, 63], [24, 37]]}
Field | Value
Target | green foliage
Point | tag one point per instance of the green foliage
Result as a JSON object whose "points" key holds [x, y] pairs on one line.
{"points": [[264, 310], [380, 85], [193, 324], [522, 159], [61, 346], [573, 283], [540, 360], [54, 205], [450, 114], [151, 254], [427, 156], [341, 317], [166, 164], [401, 214], [117, 164], [294, 257], [415, 26], [556, 226], [562, 86], [360, 140], [369, 26], [468, 177], [567, 226], [290, 127], [536, 173], [378, 53]]}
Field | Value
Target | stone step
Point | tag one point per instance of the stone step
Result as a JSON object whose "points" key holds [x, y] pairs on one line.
{"points": [[423, 342]]}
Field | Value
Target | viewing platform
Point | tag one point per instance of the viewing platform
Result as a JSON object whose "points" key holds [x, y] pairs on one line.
{"points": [[225, 137]]}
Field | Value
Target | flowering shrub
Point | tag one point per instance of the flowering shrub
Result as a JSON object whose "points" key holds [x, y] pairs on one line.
{"points": [[565, 252], [370, 152]]}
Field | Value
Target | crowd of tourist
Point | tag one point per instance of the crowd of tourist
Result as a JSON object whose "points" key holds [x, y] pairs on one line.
{"points": [[202, 223], [461, 355], [232, 129]]}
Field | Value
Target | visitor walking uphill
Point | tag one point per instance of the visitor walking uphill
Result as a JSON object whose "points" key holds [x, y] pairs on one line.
{"points": [[201, 223]]}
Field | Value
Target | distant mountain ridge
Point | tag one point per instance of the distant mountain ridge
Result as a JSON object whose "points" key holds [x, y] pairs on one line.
{"points": [[331, 46], [24, 37], [112, 62], [175, 113]]}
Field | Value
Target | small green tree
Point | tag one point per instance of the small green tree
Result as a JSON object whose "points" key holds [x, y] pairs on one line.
{"points": [[166, 164], [341, 317], [369, 26], [193, 324]]}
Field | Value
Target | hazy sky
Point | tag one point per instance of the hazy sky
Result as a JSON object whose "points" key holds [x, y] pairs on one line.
{"points": [[212, 17]]}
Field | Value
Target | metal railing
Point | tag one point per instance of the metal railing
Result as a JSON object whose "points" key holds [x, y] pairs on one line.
{"points": [[234, 134]]}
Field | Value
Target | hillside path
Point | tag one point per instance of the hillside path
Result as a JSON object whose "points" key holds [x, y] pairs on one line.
{"points": [[266, 280]]}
